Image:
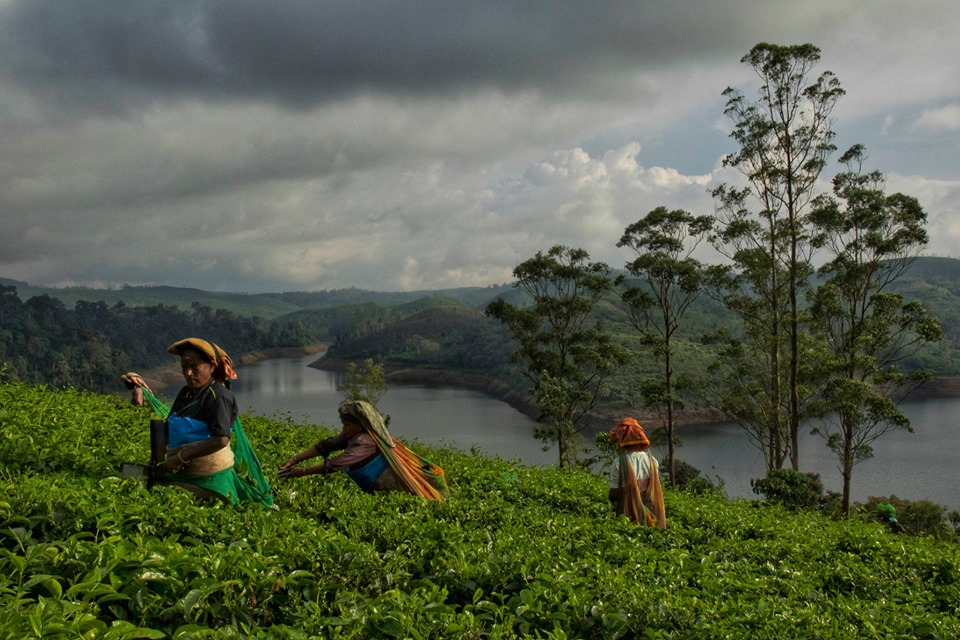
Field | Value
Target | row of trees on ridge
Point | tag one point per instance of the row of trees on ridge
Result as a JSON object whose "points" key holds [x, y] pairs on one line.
{"points": [[816, 345]]}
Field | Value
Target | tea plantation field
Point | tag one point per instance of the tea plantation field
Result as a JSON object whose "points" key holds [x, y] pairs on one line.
{"points": [[515, 552]]}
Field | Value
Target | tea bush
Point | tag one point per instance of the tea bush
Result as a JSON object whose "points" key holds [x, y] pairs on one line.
{"points": [[790, 488], [515, 552], [918, 517]]}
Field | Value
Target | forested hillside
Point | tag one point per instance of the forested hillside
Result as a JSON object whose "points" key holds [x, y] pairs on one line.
{"points": [[439, 339], [90, 345], [86, 342], [515, 552], [264, 305]]}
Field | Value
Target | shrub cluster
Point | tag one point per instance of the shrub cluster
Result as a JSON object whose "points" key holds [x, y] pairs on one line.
{"points": [[798, 491], [793, 489], [917, 517]]}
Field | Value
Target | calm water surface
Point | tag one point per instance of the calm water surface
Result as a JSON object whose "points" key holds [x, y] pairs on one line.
{"points": [[919, 465], [445, 416]]}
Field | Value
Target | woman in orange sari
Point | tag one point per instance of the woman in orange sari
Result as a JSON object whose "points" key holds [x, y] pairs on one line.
{"points": [[635, 487]]}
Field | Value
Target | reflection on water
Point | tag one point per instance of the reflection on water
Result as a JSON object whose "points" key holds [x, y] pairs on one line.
{"points": [[919, 465], [444, 416], [913, 466]]}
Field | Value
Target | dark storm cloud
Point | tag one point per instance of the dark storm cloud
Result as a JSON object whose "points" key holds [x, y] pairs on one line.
{"points": [[402, 145], [114, 52]]}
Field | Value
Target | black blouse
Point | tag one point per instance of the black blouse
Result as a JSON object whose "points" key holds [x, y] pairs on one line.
{"points": [[214, 405]]}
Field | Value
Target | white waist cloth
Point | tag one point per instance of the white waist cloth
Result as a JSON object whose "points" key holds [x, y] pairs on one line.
{"points": [[639, 460]]}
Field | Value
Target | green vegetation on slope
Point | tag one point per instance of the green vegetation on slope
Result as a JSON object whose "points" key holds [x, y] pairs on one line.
{"points": [[515, 552], [449, 336], [89, 346], [264, 305], [426, 334]]}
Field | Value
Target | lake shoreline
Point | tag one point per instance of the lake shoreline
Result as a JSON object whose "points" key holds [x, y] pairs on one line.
{"points": [[518, 398], [937, 388], [443, 415], [170, 376], [945, 387]]}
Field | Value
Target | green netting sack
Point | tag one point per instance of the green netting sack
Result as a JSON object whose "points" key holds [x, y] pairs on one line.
{"points": [[243, 482]]}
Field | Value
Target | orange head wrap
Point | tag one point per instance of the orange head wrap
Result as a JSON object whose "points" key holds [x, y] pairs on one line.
{"points": [[222, 364], [630, 435]]}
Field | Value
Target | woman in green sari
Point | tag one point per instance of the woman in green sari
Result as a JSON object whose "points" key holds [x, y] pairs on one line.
{"points": [[199, 426]]}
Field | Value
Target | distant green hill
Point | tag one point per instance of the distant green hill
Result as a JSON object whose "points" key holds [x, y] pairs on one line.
{"points": [[264, 305], [442, 330], [451, 336]]}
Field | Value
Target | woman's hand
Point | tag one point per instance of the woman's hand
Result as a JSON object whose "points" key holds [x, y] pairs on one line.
{"points": [[131, 380], [289, 462], [290, 471], [175, 462]]}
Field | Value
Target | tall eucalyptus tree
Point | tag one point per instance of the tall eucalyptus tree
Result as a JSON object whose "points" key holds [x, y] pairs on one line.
{"points": [[785, 137], [561, 348], [871, 238], [666, 280]]}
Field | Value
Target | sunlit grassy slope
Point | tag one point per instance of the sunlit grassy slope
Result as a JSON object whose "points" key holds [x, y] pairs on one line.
{"points": [[515, 552]]}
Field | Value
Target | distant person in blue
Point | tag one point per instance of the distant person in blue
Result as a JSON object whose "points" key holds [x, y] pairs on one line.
{"points": [[888, 516], [201, 417]]}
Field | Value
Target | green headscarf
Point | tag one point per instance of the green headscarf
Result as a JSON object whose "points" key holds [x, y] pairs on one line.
{"points": [[887, 511]]}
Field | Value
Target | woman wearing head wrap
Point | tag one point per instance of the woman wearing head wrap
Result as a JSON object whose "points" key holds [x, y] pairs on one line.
{"points": [[372, 459], [204, 414], [888, 516], [635, 487]]}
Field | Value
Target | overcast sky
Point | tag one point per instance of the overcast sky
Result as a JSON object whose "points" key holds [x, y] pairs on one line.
{"points": [[262, 146]]}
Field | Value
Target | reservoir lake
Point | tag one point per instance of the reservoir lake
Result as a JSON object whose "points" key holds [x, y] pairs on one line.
{"points": [[914, 466]]}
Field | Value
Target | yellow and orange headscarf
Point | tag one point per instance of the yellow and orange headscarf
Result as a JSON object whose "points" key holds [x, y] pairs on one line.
{"points": [[222, 363], [420, 476], [368, 417], [630, 435]]}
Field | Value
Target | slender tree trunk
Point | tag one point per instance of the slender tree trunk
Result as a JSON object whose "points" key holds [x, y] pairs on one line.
{"points": [[846, 493], [794, 364], [670, 422], [847, 467], [561, 446], [776, 391]]}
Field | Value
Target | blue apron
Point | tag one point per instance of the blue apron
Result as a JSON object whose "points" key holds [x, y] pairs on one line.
{"points": [[186, 430], [369, 473]]}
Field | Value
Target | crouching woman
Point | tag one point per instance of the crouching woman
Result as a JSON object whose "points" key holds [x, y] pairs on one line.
{"points": [[370, 457]]}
